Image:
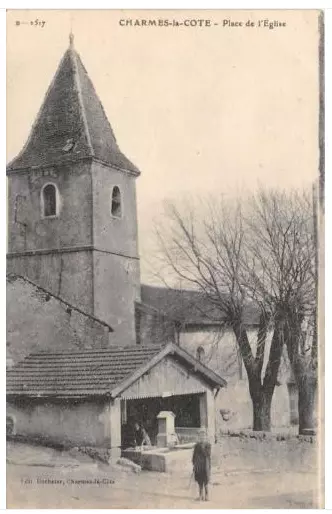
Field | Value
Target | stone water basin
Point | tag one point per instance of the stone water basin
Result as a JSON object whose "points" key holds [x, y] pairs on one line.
{"points": [[164, 460]]}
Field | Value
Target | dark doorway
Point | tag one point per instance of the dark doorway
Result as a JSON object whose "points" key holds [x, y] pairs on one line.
{"points": [[145, 410]]}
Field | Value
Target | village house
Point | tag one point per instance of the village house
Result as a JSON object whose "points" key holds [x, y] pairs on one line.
{"points": [[90, 397]]}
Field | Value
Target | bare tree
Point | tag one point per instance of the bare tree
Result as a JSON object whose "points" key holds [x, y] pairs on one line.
{"points": [[301, 327], [255, 251], [283, 276]]}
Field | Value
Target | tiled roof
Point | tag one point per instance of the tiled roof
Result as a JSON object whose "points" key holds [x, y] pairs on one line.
{"points": [[190, 306], [71, 123], [77, 374]]}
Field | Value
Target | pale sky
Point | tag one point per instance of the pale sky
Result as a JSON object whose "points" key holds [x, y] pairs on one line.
{"points": [[197, 110]]}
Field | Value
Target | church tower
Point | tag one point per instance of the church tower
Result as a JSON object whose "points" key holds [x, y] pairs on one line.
{"points": [[72, 204]]}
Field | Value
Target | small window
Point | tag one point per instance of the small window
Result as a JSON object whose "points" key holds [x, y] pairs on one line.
{"points": [[49, 201], [200, 354], [116, 208]]}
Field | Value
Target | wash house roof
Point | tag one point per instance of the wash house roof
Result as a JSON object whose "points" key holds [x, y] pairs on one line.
{"points": [[109, 372], [71, 123]]}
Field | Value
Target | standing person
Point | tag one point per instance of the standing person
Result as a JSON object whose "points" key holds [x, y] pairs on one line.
{"points": [[202, 464]]}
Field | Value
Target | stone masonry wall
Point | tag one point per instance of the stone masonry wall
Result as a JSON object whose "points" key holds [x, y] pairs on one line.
{"points": [[36, 321]]}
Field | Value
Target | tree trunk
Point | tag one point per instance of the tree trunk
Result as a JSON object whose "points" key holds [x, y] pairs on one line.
{"points": [[307, 403], [261, 402], [261, 393], [293, 397]]}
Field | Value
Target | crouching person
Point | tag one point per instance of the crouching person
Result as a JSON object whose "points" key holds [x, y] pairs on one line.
{"points": [[202, 464], [141, 436]]}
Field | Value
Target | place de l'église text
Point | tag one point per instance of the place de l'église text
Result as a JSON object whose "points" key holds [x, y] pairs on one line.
{"points": [[226, 23]]}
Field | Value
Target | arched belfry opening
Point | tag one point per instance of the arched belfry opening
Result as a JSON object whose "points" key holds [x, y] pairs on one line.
{"points": [[49, 201], [116, 203]]}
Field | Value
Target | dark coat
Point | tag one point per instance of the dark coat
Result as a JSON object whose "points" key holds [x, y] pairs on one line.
{"points": [[202, 462]]}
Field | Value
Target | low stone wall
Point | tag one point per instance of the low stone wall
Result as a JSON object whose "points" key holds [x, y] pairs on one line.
{"points": [[262, 450], [39, 440], [100, 454], [267, 436], [187, 434]]}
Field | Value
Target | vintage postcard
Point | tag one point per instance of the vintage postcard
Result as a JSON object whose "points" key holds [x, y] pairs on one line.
{"points": [[165, 306]]}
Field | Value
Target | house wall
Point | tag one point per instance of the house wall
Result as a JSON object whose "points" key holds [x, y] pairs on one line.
{"points": [[83, 423], [38, 321], [152, 328], [113, 424], [207, 413], [221, 356], [236, 399], [220, 350]]}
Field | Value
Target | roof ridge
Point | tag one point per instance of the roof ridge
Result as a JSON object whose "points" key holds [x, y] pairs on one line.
{"points": [[110, 140], [74, 55], [167, 288], [108, 349], [77, 55]]}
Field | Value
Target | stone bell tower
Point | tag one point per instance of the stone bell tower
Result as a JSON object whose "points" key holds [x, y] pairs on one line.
{"points": [[72, 223]]}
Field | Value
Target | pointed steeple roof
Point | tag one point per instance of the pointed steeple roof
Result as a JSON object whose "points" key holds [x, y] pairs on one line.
{"points": [[71, 123]]}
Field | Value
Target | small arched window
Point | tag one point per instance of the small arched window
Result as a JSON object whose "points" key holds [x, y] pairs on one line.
{"points": [[200, 354], [116, 207], [50, 201]]}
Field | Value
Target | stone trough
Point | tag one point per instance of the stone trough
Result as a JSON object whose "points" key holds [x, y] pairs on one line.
{"points": [[164, 460]]}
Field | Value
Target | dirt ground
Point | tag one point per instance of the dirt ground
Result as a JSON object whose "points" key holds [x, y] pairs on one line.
{"points": [[44, 478]]}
